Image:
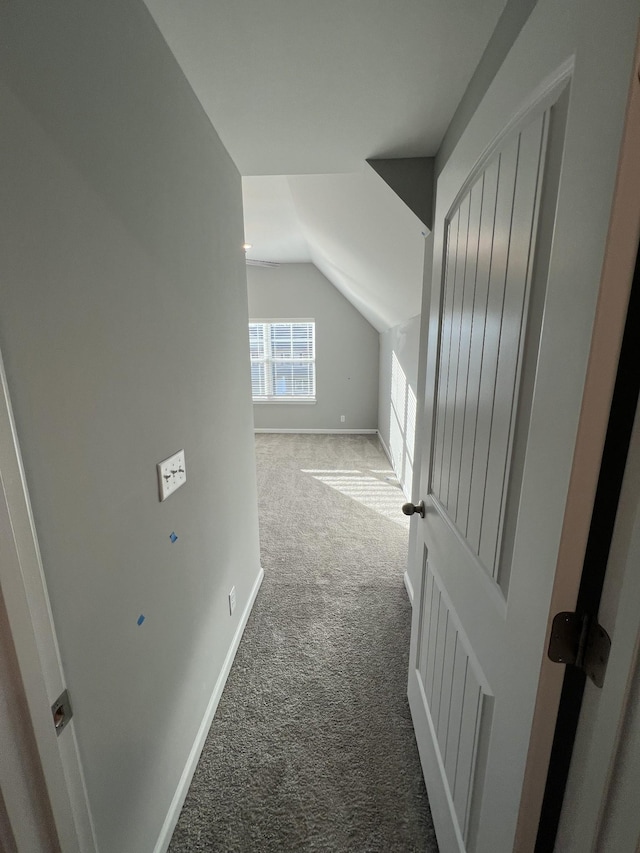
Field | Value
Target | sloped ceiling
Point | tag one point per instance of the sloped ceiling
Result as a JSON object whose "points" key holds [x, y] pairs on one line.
{"points": [[303, 93], [357, 232], [365, 240]]}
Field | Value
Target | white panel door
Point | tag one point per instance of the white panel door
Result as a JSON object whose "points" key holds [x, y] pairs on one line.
{"points": [[518, 245], [488, 336]]}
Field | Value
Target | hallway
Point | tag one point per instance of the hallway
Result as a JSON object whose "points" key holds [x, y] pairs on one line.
{"points": [[312, 746]]}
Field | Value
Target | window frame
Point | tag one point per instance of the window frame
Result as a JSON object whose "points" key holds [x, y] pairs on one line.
{"points": [[269, 360]]}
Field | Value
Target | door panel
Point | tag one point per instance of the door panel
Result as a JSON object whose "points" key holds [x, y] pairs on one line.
{"points": [[453, 688], [489, 189], [485, 316], [494, 256], [440, 480], [522, 246]]}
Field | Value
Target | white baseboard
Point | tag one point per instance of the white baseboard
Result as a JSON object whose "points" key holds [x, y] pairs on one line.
{"points": [[321, 431], [408, 586], [385, 448], [194, 755]]}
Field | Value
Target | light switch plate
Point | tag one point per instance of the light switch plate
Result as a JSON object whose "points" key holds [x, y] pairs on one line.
{"points": [[172, 473]]}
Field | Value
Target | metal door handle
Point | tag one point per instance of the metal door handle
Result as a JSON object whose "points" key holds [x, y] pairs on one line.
{"points": [[409, 509]]}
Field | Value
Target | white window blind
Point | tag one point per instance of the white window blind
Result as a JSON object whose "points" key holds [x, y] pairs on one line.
{"points": [[283, 354]]}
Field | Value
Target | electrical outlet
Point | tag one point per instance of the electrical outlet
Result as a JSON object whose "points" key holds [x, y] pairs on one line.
{"points": [[232, 600], [342, 418], [172, 473]]}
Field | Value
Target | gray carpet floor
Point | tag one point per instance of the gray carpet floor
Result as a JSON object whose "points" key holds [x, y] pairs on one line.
{"points": [[312, 747]]}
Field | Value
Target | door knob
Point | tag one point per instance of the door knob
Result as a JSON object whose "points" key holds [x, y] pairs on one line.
{"points": [[409, 509]]}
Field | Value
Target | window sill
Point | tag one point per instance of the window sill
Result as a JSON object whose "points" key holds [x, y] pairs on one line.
{"points": [[284, 402]]}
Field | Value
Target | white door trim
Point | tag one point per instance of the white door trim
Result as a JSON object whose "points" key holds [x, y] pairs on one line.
{"points": [[600, 812], [36, 646], [608, 329]]}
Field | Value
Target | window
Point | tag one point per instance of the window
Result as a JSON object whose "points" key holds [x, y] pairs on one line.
{"points": [[283, 366]]}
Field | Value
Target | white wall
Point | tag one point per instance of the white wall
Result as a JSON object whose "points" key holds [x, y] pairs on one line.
{"points": [[346, 349], [397, 396], [123, 295]]}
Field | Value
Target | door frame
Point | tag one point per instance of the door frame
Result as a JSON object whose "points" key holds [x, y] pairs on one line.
{"points": [[601, 778], [32, 631], [602, 369]]}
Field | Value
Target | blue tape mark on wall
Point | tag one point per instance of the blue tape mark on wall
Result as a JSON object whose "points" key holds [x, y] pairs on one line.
{"points": [[140, 619], [173, 537]]}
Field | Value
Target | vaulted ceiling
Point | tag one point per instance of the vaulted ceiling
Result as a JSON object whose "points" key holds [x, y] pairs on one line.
{"points": [[302, 94]]}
